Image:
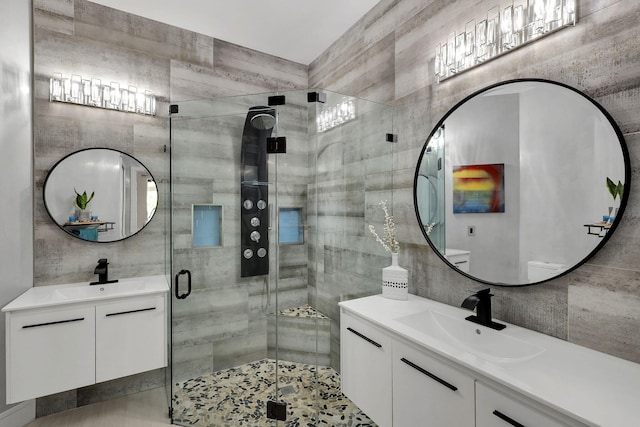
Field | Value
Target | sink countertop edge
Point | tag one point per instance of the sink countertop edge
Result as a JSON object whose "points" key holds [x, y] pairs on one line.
{"points": [[572, 397], [41, 296]]}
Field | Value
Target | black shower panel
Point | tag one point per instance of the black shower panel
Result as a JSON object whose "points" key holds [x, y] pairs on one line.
{"points": [[254, 191]]}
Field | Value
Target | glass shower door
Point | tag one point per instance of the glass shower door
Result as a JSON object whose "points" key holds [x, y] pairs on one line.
{"points": [[230, 198], [254, 340]]}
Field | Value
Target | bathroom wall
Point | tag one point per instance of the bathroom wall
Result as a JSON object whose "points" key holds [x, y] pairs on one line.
{"points": [[80, 37], [16, 210], [388, 56], [501, 115]]}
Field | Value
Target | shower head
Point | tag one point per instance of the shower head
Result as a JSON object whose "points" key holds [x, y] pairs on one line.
{"points": [[263, 121]]}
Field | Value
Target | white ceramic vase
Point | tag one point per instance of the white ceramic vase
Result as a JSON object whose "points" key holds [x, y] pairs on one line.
{"points": [[395, 280]]}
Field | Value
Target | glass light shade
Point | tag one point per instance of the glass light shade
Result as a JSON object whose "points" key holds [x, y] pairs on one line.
{"points": [[470, 38], [96, 92], [149, 102], [55, 87], [106, 96], [76, 88], [569, 12], [493, 29], [460, 50], [116, 95], [140, 102], [451, 52], [553, 13], [86, 91], [481, 40], [124, 102], [66, 83], [518, 18], [506, 27], [539, 14], [437, 64], [133, 93]]}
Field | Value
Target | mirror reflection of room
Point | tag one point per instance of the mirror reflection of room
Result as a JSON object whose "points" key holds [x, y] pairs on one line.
{"points": [[120, 195], [559, 151]]}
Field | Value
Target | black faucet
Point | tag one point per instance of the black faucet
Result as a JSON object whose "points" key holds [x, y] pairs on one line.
{"points": [[481, 301], [102, 270]]}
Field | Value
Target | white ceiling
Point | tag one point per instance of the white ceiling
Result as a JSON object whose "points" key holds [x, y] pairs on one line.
{"points": [[298, 30]]}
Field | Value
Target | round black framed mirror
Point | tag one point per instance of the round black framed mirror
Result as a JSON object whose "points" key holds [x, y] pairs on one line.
{"points": [[521, 182], [100, 195]]}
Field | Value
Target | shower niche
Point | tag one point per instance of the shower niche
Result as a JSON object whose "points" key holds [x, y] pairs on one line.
{"points": [[263, 308]]}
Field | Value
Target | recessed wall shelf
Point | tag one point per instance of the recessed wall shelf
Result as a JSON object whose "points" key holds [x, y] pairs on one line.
{"points": [[206, 226]]}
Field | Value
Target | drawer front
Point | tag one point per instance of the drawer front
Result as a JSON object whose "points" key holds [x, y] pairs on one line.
{"points": [[461, 262], [365, 355], [494, 409], [49, 351], [131, 337], [427, 391]]}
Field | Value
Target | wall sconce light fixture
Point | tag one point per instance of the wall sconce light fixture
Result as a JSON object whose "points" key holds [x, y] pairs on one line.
{"points": [[515, 24], [92, 93], [331, 117]]}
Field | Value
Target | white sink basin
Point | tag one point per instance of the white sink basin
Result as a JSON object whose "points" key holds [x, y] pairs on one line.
{"points": [[44, 296], [478, 340], [97, 291]]}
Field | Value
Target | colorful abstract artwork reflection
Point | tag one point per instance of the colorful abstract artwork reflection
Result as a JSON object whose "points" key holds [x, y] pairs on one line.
{"points": [[478, 188]]}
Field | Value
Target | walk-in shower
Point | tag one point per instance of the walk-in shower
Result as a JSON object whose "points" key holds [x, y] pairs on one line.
{"points": [[272, 239]]}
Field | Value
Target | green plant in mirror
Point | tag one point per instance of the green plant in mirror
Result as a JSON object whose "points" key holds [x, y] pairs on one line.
{"points": [[615, 189], [82, 200]]}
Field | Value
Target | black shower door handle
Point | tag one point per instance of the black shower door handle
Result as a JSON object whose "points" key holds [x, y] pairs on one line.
{"points": [[177, 284]]}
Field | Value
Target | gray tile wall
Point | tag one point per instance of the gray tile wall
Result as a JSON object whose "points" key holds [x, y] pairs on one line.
{"points": [[388, 56], [80, 37]]}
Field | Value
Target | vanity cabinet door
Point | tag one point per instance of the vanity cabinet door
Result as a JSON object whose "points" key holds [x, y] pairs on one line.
{"points": [[130, 337], [365, 358], [428, 391], [494, 409], [49, 351]]}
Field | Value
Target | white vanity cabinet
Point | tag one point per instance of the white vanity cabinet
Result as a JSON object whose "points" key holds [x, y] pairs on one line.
{"points": [[49, 350], [63, 337], [495, 409], [446, 371], [461, 259], [428, 391], [365, 358], [130, 337]]}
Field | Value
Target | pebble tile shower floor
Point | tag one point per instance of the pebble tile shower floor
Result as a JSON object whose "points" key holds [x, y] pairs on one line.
{"points": [[238, 397]]}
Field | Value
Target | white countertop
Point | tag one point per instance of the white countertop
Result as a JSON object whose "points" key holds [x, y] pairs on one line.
{"points": [[591, 387], [72, 293]]}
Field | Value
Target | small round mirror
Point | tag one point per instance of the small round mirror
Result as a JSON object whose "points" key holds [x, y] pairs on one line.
{"points": [[100, 195], [521, 182]]}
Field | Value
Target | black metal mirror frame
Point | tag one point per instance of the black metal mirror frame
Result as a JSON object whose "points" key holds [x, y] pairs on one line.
{"points": [[623, 202], [90, 149]]}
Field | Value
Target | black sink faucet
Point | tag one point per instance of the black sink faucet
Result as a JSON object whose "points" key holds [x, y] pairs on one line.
{"points": [[481, 301], [102, 270]]}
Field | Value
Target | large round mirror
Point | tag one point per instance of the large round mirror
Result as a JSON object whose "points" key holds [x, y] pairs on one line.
{"points": [[100, 195], [521, 182]]}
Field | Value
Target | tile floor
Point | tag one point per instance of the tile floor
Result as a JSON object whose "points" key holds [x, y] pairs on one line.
{"points": [[238, 397], [145, 409], [229, 398]]}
